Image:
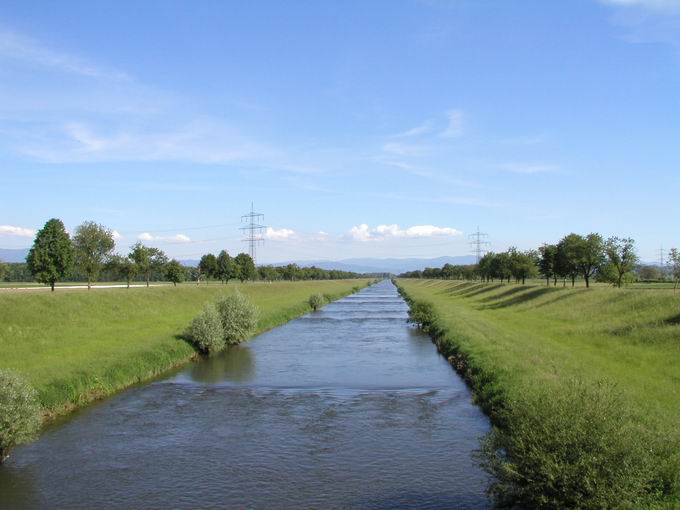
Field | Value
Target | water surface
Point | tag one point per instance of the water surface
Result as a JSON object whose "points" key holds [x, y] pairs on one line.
{"points": [[347, 407]]}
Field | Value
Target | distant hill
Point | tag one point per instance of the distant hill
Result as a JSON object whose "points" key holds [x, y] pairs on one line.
{"points": [[8, 255], [376, 265]]}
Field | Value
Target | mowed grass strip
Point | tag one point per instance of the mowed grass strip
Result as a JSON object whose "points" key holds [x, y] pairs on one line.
{"points": [[531, 336], [75, 346]]}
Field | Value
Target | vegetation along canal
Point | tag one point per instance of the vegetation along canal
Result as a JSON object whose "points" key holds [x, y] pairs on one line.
{"points": [[344, 407]]}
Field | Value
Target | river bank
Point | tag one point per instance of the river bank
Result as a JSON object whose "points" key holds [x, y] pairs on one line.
{"points": [[511, 341], [77, 347]]}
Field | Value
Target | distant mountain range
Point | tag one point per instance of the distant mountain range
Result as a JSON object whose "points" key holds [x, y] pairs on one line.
{"points": [[7, 255]]}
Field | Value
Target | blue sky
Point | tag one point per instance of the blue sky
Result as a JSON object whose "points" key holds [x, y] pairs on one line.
{"points": [[380, 128]]}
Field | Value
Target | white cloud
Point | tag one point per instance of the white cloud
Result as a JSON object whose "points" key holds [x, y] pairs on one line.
{"points": [[455, 127], [365, 233], [280, 234], [17, 47], [177, 238], [425, 127], [116, 235], [9, 230]]}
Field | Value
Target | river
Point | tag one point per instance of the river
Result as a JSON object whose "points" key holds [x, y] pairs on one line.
{"points": [[347, 407]]}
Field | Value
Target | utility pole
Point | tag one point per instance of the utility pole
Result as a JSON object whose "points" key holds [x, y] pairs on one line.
{"points": [[661, 252], [479, 243], [253, 230]]}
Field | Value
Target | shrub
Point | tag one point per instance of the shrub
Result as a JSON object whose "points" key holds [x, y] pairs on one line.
{"points": [[206, 330], [423, 315], [19, 412], [316, 301], [238, 315], [572, 448]]}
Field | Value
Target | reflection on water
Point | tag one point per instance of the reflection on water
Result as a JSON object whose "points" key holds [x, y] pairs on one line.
{"points": [[347, 407], [235, 364]]}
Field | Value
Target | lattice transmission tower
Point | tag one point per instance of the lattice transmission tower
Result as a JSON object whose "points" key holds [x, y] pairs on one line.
{"points": [[661, 252], [253, 231], [479, 243]]}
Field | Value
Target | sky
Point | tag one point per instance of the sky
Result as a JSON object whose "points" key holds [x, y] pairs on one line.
{"points": [[390, 128]]}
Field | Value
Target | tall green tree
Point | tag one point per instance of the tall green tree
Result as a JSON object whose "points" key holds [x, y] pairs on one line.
{"points": [[245, 267], [547, 263], [568, 256], [123, 266], [591, 256], [4, 270], [93, 245], [208, 267], [174, 271], [147, 260], [522, 264], [225, 267], [621, 258], [51, 257]]}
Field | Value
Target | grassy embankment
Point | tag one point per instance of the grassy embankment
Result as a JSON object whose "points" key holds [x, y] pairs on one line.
{"points": [[520, 338], [81, 345]]}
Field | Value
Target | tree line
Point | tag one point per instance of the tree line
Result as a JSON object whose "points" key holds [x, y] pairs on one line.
{"points": [[89, 255], [588, 257]]}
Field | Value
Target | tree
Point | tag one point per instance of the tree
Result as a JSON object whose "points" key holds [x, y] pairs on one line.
{"points": [[208, 266], [51, 257], [224, 267], [674, 263], [500, 266], [4, 269], [92, 245], [245, 267], [568, 256], [650, 273], [547, 263], [147, 260], [124, 266], [621, 257], [522, 264], [484, 267], [174, 271], [591, 256]]}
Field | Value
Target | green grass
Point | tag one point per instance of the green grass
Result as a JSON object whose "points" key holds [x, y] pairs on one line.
{"points": [[528, 337], [80, 345]]}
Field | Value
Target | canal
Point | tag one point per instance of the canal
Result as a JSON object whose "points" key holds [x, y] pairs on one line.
{"points": [[347, 407]]}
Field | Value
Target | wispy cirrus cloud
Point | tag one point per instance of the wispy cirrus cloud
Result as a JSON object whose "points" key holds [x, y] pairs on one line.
{"points": [[25, 49], [657, 5], [454, 129], [364, 232], [11, 230], [424, 128]]}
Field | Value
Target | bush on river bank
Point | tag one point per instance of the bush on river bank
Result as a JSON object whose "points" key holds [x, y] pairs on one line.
{"points": [[206, 330], [19, 412], [239, 317], [575, 447], [316, 301]]}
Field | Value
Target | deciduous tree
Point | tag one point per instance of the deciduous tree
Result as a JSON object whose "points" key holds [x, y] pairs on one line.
{"points": [[245, 267], [208, 266], [621, 258], [51, 257], [147, 260], [224, 267], [93, 245], [174, 271]]}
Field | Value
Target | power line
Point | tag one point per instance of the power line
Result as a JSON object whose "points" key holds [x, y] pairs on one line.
{"points": [[253, 230], [479, 243]]}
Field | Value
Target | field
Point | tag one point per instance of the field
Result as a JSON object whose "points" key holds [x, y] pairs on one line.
{"points": [[79, 345], [535, 336]]}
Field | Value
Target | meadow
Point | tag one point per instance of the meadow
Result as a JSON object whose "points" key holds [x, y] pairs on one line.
{"points": [[524, 338], [76, 346]]}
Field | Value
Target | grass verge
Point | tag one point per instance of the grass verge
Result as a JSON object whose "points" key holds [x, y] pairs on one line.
{"points": [[75, 347], [513, 343]]}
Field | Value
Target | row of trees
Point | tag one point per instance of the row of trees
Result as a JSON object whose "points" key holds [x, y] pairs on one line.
{"points": [[589, 257], [56, 256]]}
